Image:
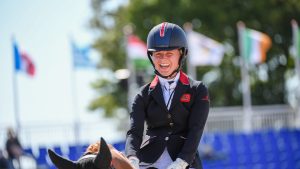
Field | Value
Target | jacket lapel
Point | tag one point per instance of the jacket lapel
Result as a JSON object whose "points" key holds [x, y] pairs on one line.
{"points": [[158, 96], [156, 92], [179, 91], [181, 87]]}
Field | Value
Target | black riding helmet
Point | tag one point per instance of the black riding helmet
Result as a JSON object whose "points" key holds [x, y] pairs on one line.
{"points": [[167, 36]]}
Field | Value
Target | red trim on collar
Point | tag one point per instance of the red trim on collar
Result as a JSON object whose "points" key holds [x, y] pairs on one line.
{"points": [[154, 82], [184, 78]]}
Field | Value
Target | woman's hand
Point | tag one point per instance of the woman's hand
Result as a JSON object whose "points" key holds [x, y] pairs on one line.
{"points": [[178, 164], [134, 161]]}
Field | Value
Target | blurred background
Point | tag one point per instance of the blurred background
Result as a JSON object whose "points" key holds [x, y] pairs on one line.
{"points": [[70, 69]]}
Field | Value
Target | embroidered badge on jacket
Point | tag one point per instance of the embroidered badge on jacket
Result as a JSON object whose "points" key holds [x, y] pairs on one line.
{"points": [[205, 98], [185, 98]]}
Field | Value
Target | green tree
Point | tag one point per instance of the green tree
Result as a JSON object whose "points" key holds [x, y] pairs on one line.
{"points": [[216, 19]]}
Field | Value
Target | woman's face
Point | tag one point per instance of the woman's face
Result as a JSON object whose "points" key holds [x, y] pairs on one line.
{"points": [[166, 62]]}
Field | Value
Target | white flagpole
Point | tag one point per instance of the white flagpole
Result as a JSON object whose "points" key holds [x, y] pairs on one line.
{"points": [[296, 44], [191, 69], [16, 91], [132, 83], [74, 100], [247, 118], [75, 105]]}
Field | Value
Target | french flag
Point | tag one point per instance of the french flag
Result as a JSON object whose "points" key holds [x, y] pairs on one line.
{"points": [[23, 62]]}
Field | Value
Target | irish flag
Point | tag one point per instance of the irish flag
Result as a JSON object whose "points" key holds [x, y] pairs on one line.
{"points": [[255, 46], [137, 52]]}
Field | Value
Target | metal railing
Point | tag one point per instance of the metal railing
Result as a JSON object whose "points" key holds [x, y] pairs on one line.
{"points": [[263, 117], [220, 119]]}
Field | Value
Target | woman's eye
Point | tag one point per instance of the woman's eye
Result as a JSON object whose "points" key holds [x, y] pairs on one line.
{"points": [[169, 55]]}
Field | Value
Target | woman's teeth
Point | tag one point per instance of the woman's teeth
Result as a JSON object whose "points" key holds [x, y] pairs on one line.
{"points": [[164, 65]]}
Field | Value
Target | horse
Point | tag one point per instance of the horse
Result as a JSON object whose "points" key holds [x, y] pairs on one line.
{"points": [[97, 156]]}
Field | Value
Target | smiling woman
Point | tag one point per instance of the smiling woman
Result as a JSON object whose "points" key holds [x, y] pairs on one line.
{"points": [[174, 106]]}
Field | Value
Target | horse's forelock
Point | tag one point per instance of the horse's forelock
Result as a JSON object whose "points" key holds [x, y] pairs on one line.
{"points": [[93, 148], [87, 156]]}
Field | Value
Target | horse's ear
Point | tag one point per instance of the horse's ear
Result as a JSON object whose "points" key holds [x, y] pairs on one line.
{"points": [[60, 162], [103, 158]]}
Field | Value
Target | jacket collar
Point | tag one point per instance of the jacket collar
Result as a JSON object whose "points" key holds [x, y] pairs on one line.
{"points": [[183, 78]]}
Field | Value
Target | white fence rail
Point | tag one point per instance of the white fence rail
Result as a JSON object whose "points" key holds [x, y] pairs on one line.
{"points": [[220, 119], [263, 117]]}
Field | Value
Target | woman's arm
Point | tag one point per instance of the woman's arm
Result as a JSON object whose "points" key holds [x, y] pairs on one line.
{"points": [[135, 133], [196, 124]]}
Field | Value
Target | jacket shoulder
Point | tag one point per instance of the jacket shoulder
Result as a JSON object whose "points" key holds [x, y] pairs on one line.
{"points": [[143, 93], [197, 84], [145, 89]]}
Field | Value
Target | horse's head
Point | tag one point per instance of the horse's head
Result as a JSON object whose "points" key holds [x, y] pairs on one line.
{"points": [[100, 160]]}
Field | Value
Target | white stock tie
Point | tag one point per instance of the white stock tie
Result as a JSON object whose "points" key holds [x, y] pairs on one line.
{"points": [[169, 87]]}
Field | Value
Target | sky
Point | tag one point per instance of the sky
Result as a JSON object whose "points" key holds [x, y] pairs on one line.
{"points": [[43, 30]]}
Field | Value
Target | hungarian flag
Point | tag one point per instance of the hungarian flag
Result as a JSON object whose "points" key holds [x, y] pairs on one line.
{"points": [[137, 52], [255, 46], [204, 50], [23, 62]]}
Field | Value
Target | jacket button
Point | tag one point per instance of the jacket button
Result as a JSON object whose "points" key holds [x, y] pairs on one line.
{"points": [[171, 124], [169, 116], [167, 138]]}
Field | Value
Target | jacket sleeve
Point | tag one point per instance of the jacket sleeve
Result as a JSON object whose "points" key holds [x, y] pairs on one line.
{"points": [[196, 123], [135, 132]]}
